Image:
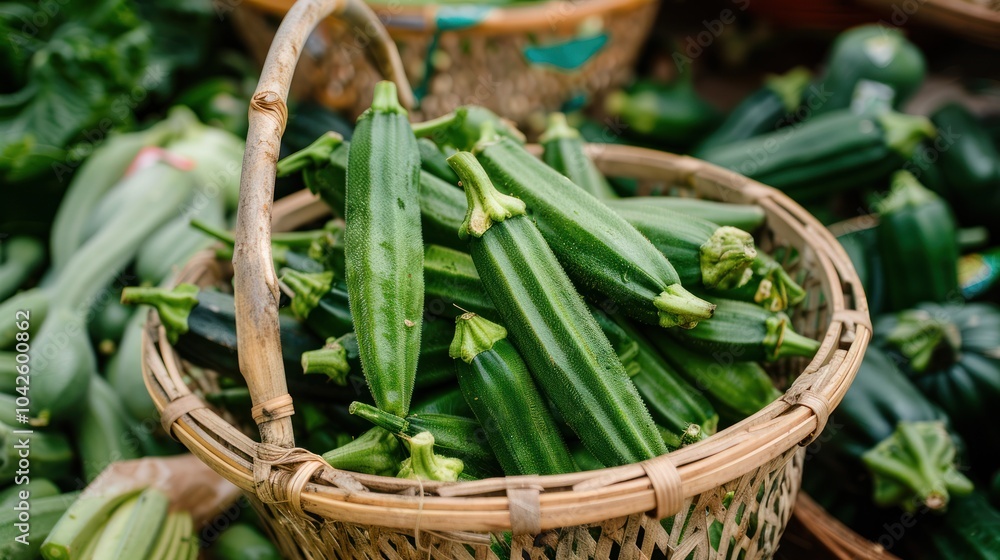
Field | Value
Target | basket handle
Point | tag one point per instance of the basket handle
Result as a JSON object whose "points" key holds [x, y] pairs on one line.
{"points": [[255, 281]]}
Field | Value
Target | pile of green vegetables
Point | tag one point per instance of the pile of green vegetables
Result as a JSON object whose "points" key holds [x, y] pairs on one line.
{"points": [[910, 443], [476, 311]]}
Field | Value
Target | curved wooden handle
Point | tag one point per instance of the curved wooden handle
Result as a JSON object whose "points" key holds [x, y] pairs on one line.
{"points": [[255, 281]]}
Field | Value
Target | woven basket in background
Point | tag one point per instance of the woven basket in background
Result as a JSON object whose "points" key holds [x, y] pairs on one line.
{"points": [[520, 61]]}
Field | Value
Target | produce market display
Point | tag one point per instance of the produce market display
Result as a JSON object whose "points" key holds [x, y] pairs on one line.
{"points": [[514, 280]]}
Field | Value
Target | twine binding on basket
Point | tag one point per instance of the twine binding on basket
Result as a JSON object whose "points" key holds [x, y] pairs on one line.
{"points": [[274, 409], [177, 408]]}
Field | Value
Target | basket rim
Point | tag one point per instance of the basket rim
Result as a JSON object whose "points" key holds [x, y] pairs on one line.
{"points": [[420, 19], [569, 499]]}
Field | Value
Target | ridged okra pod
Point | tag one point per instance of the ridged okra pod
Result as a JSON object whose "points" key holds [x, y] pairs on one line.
{"points": [[498, 386], [607, 258], [568, 355], [384, 249]]}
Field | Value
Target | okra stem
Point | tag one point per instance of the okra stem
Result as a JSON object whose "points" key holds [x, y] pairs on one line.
{"points": [[903, 133], [782, 341], [317, 153], [424, 464], [680, 308], [380, 418], [916, 465], [726, 257], [174, 306], [330, 360], [308, 288]]}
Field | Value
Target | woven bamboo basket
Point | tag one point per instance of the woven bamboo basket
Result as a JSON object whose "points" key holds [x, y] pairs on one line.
{"points": [[743, 480], [965, 18], [520, 61], [820, 535]]}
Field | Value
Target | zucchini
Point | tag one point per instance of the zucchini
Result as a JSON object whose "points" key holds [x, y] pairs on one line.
{"points": [[568, 355], [455, 436], [681, 411], [861, 57], [499, 389], [23, 256], [968, 530], [46, 513], [746, 332], [672, 113], [770, 286], [606, 257], [736, 389], [202, 324], [702, 253], [383, 248], [969, 163], [916, 240], [124, 371], [424, 464], [896, 437], [563, 151], [376, 451], [828, 153], [762, 111], [747, 217], [49, 454]]}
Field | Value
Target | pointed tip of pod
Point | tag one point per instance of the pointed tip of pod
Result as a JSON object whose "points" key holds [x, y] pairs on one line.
{"points": [[678, 307], [726, 258], [486, 204], [473, 336]]}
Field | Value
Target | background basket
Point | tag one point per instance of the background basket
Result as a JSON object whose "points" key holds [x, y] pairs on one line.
{"points": [[519, 61], [735, 489], [821, 536], [964, 18]]}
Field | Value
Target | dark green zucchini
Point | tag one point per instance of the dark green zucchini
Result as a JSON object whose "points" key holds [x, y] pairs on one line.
{"points": [[969, 163]]}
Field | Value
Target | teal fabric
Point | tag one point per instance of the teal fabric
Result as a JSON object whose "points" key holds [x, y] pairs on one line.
{"points": [[566, 55]]}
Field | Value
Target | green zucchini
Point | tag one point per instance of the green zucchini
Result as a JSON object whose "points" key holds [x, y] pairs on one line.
{"points": [[499, 389], [827, 154], [747, 217], [736, 389], [424, 464], [383, 248], [434, 162], [867, 56], [606, 257], [46, 513], [48, 454], [243, 541], [563, 151], [203, 325], [770, 286], [917, 245], [454, 436], [950, 352], [681, 411], [571, 360], [969, 163], [746, 332], [376, 451], [968, 530], [762, 111], [23, 256], [672, 113], [124, 371], [702, 253]]}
